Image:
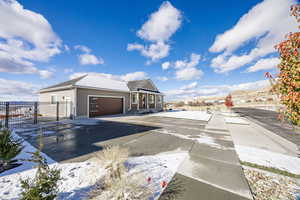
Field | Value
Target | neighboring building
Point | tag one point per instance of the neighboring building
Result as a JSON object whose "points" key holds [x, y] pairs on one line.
{"points": [[94, 95]]}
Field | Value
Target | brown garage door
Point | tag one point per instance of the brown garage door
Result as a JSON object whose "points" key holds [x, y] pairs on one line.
{"points": [[99, 106]]}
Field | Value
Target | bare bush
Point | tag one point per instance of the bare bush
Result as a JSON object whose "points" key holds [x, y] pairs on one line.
{"points": [[118, 184]]}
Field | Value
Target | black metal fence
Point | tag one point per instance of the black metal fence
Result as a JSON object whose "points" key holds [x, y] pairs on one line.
{"points": [[16, 114]]}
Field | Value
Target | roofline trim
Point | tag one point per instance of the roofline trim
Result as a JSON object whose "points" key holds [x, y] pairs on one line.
{"points": [[82, 87], [103, 89]]}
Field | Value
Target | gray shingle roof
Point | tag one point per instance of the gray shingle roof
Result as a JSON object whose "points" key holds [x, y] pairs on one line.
{"points": [[146, 85], [71, 82]]}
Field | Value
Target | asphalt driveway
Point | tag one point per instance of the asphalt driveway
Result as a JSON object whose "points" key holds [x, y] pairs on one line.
{"points": [[210, 171]]}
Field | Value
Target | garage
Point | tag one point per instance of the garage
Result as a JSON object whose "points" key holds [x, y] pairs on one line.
{"points": [[99, 106]]}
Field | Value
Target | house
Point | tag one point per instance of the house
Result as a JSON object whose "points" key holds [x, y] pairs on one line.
{"points": [[94, 95]]}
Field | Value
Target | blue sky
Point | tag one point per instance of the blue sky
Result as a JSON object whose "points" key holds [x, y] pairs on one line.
{"points": [[209, 48]]}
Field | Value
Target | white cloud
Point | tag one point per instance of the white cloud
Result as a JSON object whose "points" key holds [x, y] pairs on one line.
{"points": [[160, 26], [86, 58], [82, 48], [266, 23], [264, 64], [125, 77], [154, 51], [25, 37], [90, 59], [11, 90], [192, 85], [134, 76], [190, 73], [45, 74], [162, 78], [68, 70], [192, 90], [165, 65], [67, 48], [187, 69], [194, 61]]}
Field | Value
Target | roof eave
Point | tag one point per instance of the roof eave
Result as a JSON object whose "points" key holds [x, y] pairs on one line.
{"points": [[56, 88]]}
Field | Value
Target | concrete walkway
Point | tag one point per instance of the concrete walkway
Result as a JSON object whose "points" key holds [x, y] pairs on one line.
{"points": [[210, 171], [213, 172], [254, 135], [268, 120]]}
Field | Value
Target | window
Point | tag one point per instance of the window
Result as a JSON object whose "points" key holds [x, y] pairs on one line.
{"points": [[151, 98], [159, 99], [134, 98], [53, 99]]}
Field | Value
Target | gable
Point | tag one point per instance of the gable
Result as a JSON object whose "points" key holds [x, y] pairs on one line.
{"points": [[146, 85]]}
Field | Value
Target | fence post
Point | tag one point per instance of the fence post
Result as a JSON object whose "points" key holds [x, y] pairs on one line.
{"points": [[57, 111], [6, 114], [35, 120]]}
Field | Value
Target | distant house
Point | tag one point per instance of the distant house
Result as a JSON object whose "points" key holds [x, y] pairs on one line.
{"points": [[94, 95]]}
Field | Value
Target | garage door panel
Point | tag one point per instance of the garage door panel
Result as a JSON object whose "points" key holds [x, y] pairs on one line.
{"points": [[105, 106]]}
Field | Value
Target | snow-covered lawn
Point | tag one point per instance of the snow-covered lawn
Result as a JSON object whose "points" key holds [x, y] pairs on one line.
{"points": [[79, 178], [194, 115], [268, 159], [236, 120]]}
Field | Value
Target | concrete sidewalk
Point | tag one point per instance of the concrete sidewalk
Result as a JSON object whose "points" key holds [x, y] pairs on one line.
{"points": [[254, 135], [213, 171]]}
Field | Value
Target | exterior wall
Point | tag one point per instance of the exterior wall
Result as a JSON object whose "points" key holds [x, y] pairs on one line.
{"points": [[66, 108], [82, 99]]}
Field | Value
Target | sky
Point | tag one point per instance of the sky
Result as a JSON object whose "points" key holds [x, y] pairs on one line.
{"points": [[188, 48]]}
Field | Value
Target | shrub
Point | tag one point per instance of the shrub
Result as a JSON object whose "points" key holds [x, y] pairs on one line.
{"points": [[44, 186], [287, 84], [9, 149], [228, 101], [117, 184]]}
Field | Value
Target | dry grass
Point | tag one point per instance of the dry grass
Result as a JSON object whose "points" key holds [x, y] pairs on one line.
{"points": [[117, 184]]}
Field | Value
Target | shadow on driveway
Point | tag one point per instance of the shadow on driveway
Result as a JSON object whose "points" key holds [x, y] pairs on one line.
{"points": [[71, 142]]}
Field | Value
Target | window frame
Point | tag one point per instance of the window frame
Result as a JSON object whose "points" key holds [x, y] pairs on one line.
{"points": [[136, 99], [151, 100], [159, 99], [56, 99]]}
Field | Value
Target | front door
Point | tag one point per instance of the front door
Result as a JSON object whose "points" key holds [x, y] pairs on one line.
{"points": [[142, 101]]}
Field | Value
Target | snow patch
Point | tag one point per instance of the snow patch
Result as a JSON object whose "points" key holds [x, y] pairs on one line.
{"points": [[268, 158], [160, 167], [202, 139], [194, 115], [236, 120]]}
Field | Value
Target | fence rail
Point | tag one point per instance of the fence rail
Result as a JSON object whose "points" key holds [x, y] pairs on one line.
{"points": [[14, 114]]}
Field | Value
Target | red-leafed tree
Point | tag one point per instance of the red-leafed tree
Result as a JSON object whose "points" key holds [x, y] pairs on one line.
{"points": [[287, 84], [228, 101]]}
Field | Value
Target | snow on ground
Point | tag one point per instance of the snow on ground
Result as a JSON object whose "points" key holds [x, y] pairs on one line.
{"points": [[236, 120], [24, 155], [194, 115], [79, 178], [160, 167], [201, 138], [230, 114], [268, 158]]}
